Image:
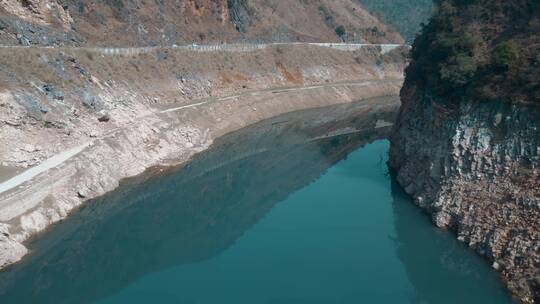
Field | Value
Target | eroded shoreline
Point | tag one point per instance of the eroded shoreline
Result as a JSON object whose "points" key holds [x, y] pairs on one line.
{"points": [[148, 131], [376, 115], [197, 212]]}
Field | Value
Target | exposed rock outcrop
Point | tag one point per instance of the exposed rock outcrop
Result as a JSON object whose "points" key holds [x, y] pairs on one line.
{"points": [[466, 145], [10, 250], [476, 168], [144, 23], [239, 13]]}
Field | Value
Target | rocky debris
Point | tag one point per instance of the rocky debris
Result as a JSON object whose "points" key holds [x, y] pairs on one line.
{"points": [[10, 250], [91, 101], [103, 116], [51, 123], [31, 148], [476, 168], [77, 66], [33, 106], [28, 33], [32, 6], [36, 22], [194, 86], [23, 40], [93, 133], [240, 14], [83, 192], [13, 123], [53, 92], [58, 63]]}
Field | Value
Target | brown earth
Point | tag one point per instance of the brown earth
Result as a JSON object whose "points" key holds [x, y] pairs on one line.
{"points": [[135, 23]]}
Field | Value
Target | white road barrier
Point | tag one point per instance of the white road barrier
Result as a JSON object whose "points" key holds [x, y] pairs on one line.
{"points": [[236, 47]]}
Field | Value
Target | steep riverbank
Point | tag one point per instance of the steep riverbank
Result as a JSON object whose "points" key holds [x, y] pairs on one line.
{"points": [[266, 214], [99, 118], [476, 169], [466, 145]]}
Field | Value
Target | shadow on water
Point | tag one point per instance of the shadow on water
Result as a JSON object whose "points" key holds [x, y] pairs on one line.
{"points": [[189, 214], [441, 269]]}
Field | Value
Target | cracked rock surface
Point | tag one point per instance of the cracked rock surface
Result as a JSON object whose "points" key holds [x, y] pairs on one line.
{"points": [[476, 168]]}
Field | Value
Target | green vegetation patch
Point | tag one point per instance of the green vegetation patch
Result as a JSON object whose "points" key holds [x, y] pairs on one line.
{"points": [[480, 49]]}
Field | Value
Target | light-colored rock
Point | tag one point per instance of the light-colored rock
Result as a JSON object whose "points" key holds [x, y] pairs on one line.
{"points": [[11, 251], [477, 174]]}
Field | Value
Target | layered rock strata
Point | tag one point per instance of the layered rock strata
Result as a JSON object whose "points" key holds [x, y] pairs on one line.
{"points": [[476, 168]]}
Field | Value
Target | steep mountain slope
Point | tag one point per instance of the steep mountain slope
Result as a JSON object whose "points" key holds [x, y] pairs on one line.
{"points": [[405, 15], [467, 142], [167, 22], [485, 50]]}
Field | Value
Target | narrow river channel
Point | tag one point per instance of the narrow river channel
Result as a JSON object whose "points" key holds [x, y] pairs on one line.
{"points": [[298, 209]]}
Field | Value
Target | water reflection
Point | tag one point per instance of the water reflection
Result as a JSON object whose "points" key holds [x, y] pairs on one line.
{"points": [[441, 269], [188, 214]]}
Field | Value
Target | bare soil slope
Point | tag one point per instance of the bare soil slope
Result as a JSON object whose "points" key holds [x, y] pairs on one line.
{"points": [[132, 23]]}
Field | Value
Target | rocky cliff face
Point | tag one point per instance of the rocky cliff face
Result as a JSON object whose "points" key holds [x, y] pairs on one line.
{"points": [[144, 23], [476, 168], [467, 143]]}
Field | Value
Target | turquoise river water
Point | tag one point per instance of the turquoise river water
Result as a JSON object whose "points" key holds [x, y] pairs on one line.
{"points": [[309, 220]]}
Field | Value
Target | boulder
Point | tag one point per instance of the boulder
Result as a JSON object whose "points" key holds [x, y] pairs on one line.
{"points": [[103, 116]]}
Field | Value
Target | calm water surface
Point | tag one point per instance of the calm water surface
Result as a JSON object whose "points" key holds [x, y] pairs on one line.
{"points": [[304, 221]]}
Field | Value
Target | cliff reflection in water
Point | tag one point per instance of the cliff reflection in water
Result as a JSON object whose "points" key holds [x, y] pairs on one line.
{"points": [[436, 263], [188, 214]]}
